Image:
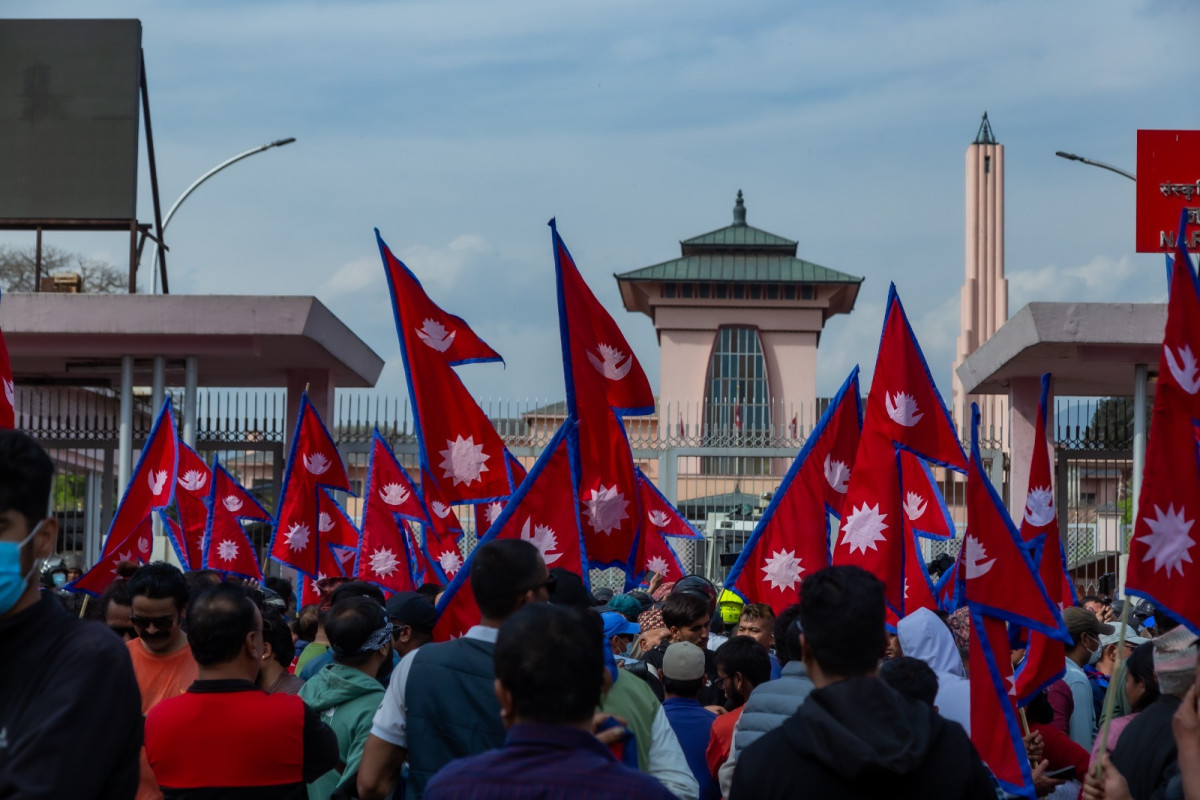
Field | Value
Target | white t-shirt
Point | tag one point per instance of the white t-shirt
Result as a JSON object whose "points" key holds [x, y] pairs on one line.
{"points": [[390, 723]]}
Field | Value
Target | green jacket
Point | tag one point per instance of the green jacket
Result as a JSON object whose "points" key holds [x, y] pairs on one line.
{"points": [[346, 700]]}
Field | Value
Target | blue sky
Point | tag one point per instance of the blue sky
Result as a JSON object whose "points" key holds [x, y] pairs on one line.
{"points": [[459, 127]]}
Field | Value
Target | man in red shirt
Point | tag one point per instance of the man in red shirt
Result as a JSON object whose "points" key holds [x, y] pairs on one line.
{"points": [[224, 737], [742, 664]]}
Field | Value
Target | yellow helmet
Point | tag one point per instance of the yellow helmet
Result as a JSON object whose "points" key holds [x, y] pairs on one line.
{"points": [[731, 607]]}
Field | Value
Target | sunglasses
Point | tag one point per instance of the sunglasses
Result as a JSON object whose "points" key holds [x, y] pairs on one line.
{"points": [[162, 623]]}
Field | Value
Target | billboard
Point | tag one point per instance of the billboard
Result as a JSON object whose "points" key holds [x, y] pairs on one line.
{"points": [[1168, 181], [69, 101]]}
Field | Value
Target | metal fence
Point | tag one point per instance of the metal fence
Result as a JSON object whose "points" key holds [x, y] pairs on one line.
{"points": [[720, 479]]}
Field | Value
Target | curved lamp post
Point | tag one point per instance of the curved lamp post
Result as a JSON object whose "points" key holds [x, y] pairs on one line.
{"points": [[196, 184], [1100, 164]]}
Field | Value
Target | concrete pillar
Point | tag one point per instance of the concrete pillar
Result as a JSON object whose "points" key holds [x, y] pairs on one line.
{"points": [[125, 430], [190, 379], [1024, 395]]}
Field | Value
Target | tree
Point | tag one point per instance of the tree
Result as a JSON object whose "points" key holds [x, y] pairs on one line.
{"points": [[18, 267]]}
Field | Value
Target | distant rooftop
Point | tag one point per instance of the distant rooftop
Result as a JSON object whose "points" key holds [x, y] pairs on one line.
{"points": [[739, 253]]}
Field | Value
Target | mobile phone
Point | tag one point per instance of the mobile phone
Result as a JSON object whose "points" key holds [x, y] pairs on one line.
{"points": [[1064, 774]]}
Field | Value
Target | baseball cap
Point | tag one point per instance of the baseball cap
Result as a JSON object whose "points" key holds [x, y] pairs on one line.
{"points": [[412, 609], [1131, 637], [683, 661], [1080, 620], [615, 624]]}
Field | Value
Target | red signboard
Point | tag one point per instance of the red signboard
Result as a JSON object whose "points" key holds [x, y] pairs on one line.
{"points": [[1168, 180]]}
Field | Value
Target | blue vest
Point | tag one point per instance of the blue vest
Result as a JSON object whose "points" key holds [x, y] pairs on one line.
{"points": [[452, 707]]}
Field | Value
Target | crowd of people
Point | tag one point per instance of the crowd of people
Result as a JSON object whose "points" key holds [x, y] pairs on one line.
{"points": [[194, 685]]}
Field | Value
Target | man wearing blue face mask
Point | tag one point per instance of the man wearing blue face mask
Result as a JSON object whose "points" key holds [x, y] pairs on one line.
{"points": [[63, 683]]}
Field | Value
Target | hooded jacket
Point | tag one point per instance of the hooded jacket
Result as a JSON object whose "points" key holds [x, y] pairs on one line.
{"points": [[859, 738], [346, 699], [924, 636]]}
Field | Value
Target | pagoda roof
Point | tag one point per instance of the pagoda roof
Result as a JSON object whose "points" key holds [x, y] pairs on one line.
{"points": [[739, 253]]}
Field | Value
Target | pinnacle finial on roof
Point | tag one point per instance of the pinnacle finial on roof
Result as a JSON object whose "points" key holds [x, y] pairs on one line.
{"points": [[739, 210], [985, 135]]}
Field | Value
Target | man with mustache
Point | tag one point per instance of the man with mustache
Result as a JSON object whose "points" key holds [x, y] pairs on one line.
{"points": [[162, 659]]}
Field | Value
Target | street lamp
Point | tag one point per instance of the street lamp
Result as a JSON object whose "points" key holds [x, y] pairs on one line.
{"points": [[196, 184], [1100, 164]]}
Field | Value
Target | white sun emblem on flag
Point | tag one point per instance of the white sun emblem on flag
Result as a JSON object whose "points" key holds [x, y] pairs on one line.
{"points": [[493, 511], [317, 463], [606, 509], [783, 570], [463, 460], [659, 519], [297, 536], [976, 559], [434, 334], [193, 480], [1039, 507], [658, 564], [902, 408], [450, 562], [544, 539], [394, 494], [864, 528], [227, 550], [1168, 543], [232, 502], [384, 562]]}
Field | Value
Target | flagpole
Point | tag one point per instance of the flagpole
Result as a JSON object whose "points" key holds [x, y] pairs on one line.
{"points": [[1110, 696]]}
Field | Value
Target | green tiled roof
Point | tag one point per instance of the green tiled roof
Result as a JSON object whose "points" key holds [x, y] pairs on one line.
{"points": [[740, 236], [737, 268]]}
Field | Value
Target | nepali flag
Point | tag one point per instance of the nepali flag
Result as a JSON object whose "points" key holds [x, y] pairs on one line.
{"points": [[604, 380], [152, 486], [1044, 657], [792, 537], [919, 590], [313, 462], [227, 548], [391, 501], [456, 440], [8, 397], [338, 539], [543, 512], [1000, 585], [904, 412], [925, 510], [191, 501], [660, 519], [1164, 534], [135, 548], [995, 731], [442, 532], [1000, 579]]}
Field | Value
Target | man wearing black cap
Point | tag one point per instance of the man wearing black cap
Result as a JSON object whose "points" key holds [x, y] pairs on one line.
{"points": [[413, 618]]}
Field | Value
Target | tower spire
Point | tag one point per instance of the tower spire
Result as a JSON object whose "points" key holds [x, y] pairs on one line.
{"points": [[985, 135], [739, 210]]}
